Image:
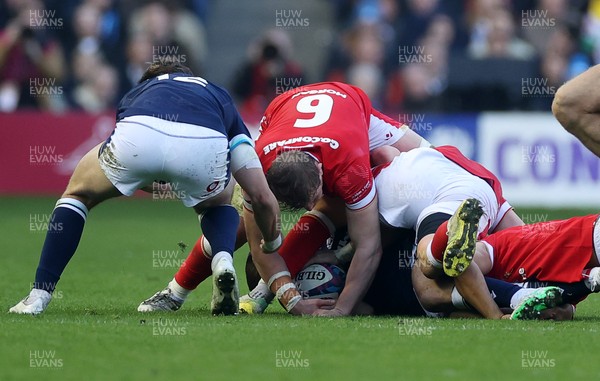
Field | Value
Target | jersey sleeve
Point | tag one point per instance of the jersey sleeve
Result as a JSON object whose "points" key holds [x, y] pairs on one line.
{"points": [[380, 118], [355, 184]]}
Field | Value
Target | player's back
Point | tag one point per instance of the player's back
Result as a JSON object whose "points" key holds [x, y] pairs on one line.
{"points": [[330, 120], [316, 109], [179, 97]]}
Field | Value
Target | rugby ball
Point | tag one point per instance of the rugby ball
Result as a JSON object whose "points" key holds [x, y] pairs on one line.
{"points": [[321, 280]]}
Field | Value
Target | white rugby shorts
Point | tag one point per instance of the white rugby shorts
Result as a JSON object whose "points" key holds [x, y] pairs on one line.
{"points": [[422, 182], [144, 149]]}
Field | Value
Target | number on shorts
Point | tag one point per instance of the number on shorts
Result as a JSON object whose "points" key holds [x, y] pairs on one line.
{"points": [[321, 110]]}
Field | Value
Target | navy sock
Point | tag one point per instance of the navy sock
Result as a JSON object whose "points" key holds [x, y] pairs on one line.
{"points": [[64, 232], [572, 292], [501, 291], [219, 225]]}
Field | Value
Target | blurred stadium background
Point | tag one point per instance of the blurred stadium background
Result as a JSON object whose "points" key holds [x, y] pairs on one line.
{"points": [[478, 74]]}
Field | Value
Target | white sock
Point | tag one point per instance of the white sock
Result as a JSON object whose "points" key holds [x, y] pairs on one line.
{"points": [[261, 291], [177, 292], [221, 256], [458, 301], [519, 296], [431, 259], [591, 279]]}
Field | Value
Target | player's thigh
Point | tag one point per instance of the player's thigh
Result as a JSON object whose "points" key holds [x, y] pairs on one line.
{"points": [[88, 183], [451, 204]]}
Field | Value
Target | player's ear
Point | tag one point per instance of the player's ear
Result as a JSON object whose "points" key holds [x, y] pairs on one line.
{"points": [[320, 166]]}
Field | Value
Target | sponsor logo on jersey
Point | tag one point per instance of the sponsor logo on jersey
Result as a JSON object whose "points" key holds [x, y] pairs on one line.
{"points": [[361, 193], [320, 91], [333, 144]]}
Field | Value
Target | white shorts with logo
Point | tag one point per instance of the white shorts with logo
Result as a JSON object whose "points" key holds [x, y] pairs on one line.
{"points": [[422, 182], [144, 150]]}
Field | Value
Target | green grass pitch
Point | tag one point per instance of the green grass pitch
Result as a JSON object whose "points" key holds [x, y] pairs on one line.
{"points": [[92, 331]]}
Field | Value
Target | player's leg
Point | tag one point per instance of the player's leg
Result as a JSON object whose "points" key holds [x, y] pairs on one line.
{"points": [[441, 295], [252, 275], [200, 168], [219, 221], [434, 295], [451, 248], [87, 187], [577, 107], [470, 284], [193, 271]]}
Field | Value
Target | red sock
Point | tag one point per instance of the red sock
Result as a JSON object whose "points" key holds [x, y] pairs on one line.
{"points": [[197, 267], [302, 242], [440, 241]]}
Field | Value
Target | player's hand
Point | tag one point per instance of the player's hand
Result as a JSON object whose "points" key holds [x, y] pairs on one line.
{"points": [[335, 312], [310, 306]]}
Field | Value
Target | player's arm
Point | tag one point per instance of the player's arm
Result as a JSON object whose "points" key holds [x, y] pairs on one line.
{"points": [[408, 140], [264, 204], [273, 270], [248, 172], [261, 212], [576, 106], [363, 229]]}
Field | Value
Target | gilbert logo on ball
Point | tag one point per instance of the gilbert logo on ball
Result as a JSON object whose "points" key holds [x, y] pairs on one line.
{"points": [[321, 280]]}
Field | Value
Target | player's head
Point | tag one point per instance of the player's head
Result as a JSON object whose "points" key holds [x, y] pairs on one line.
{"points": [[164, 67], [295, 178]]}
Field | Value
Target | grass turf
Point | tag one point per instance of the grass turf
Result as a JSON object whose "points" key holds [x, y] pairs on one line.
{"points": [[92, 331]]}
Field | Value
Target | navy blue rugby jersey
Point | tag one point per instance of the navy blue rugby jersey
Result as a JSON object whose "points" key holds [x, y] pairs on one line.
{"points": [[179, 97]]}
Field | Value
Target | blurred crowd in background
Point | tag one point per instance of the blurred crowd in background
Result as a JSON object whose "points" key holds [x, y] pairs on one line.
{"points": [[408, 55]]}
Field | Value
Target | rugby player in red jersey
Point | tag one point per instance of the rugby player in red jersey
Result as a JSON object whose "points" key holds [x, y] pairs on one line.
{"points": [[314, 146], [559, 252]]}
